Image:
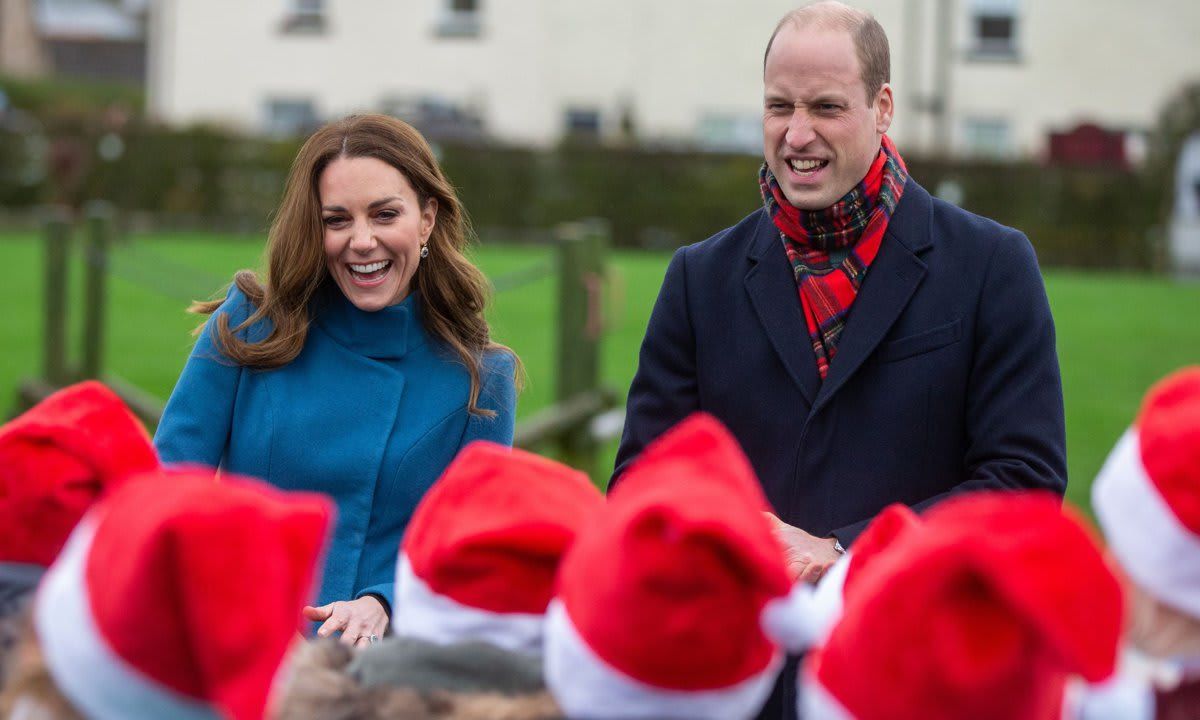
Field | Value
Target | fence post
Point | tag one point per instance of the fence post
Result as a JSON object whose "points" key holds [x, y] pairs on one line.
{"points": [[100, 216], [54, 329], [581, 248]]}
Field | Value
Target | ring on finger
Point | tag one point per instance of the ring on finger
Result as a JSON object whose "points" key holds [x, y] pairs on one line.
{"points": [[372, 638]]}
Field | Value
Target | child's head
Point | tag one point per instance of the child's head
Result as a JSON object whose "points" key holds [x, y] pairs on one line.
{"points": [[1147, 500]]}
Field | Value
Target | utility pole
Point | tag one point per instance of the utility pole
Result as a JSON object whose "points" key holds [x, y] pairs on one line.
{"points": [[910, 82], [943, 67]]}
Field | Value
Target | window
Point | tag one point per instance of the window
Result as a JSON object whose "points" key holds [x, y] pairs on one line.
{"points": [[583, 123], [460, 19], [988, 137], [290, 117], [729, 132], [993, 32], [304, 16], [438, 119]]}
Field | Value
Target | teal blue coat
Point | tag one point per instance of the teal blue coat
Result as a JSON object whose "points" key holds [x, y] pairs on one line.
{"points": [[369, 413]]}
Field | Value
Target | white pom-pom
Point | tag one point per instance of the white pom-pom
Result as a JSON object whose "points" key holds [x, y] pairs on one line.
{"points": [[827, 598], [789, 620]]}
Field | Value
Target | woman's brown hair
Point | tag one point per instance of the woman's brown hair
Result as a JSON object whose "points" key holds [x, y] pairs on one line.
{"points": [[453, 291]]}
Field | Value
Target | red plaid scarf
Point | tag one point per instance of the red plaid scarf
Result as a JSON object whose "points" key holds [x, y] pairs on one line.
{"points": [[831, 249]]}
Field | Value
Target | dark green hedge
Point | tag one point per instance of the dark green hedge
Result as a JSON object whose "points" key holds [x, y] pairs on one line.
{"points": [[58, 97], [1079, 217], [1076, 217]]}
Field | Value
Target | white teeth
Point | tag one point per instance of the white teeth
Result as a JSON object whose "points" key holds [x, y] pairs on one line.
{"points": [[806, 165], [369, 267]]}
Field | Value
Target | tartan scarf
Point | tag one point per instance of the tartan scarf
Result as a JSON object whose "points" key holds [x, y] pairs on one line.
{"points": [[831, 249]]}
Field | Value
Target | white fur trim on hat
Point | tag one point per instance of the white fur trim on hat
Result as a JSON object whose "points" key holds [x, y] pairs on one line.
{"points": [[790, 620], [826, 606], [1156, 550], [585, 686], [813, 701], [1127, 695], [424, 614], [99, 683]]}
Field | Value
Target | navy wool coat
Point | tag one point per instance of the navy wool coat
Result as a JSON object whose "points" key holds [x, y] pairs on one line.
{"points": [[946, 377], [945, 380]]}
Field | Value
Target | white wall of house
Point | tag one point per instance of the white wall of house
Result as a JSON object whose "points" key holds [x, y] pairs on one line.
{"points": [[680, 70], [1111, 62]]}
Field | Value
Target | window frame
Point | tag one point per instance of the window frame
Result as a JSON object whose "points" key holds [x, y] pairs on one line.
{"points": [[453, 22], [305, 17], [983, 48]]}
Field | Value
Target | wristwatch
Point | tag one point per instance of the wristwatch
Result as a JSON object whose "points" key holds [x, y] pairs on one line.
{"points": [[837, 546]]}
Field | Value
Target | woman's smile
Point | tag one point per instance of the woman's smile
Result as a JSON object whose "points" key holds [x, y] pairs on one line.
{"points": [[369, 274]]}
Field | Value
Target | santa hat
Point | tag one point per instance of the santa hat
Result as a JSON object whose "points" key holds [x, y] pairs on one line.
{"points": [[661, 602], [55, 461], [881, 534], [481, 552], [992, 606], [178, 596], [1147, 495]]}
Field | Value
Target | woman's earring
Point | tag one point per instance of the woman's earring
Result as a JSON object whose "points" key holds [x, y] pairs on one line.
{"points": [[424, 251]]}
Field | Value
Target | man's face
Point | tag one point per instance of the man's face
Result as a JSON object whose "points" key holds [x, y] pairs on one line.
{"points": [[819, 133]]}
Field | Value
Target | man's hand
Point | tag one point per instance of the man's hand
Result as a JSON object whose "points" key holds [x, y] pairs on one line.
{"points": [[358, 620], [808, 557]]}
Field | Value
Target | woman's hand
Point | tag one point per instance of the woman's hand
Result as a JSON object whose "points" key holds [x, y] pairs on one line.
{"points": [[358, 620]]}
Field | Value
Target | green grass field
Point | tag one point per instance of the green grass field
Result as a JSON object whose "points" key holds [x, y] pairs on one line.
{"points": [[1117, 334]]}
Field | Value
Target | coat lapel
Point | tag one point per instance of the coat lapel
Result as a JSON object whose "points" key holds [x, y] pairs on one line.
{"points": [[772, 289], [889, 285]]}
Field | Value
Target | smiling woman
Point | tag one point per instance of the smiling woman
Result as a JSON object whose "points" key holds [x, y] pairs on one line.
{"points": [[360, 366], [376, 230]]}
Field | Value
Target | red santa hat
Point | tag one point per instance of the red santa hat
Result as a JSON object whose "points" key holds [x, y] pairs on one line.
{"points": [[662, 601], [55, 461], [1147, 495], [178, 596], [482, 550], [992, 606], [881, 534]]}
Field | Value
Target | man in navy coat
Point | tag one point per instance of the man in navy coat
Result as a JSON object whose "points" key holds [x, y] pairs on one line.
{"points": [[865, 342]]}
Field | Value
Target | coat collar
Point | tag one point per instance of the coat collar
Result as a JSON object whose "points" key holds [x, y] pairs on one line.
{"points": [[887, 289], [389, 333]]}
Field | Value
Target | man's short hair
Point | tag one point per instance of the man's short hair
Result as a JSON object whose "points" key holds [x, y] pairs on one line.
{"points": [[870, 40]]}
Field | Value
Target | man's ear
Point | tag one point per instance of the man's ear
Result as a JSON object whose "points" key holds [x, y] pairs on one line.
{"points": [[884, 108]]}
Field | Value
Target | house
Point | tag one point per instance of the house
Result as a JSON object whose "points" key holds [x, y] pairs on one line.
{"points": [[81, 39], [972, 77], [94, 39]]}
